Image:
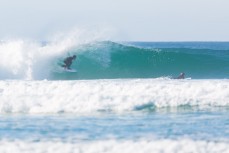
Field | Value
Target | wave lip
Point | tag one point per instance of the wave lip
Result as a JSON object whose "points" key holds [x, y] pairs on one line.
{"points": [[88, 96]]}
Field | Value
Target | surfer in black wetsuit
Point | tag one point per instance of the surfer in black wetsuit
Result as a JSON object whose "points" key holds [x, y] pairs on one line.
{"points": [[181, 76], [68, 62]]}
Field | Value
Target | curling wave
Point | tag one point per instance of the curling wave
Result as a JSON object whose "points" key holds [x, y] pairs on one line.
{"points": [[109, 60]]}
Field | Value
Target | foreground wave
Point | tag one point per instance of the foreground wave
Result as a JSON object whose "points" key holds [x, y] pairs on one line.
{"points": [[88, 96], [113, 146]]}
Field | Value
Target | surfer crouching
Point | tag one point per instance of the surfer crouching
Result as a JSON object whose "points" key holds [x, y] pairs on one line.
{"points": [[68, 62]]}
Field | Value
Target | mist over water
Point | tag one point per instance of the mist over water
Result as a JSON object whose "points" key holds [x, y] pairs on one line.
{"points": [[30, 60]]}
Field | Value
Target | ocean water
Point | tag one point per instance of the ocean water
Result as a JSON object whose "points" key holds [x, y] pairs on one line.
{"points": [[123, 98]]}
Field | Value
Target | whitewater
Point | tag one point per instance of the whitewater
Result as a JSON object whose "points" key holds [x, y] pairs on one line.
{"points": [[123, 98], [119, 95]]}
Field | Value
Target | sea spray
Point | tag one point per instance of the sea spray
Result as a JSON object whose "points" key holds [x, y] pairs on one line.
{"points": [[31, 60]]}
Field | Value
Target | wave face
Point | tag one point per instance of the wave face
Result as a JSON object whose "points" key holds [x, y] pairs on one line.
{"points": [[110, 60]]}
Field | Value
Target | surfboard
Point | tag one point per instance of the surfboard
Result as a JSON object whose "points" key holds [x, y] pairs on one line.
{"points": [[70, 70]]}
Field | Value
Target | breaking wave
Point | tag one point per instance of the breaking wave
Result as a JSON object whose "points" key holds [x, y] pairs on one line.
{"points": [[88, 96], [108, 60]]}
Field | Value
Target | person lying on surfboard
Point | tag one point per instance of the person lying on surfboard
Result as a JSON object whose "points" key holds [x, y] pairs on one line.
{"points": [[181, 76], [68, 62]]}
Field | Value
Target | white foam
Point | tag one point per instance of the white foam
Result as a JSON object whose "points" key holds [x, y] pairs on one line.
{"points": [[114, 146], [109, 95], [26, 59]]}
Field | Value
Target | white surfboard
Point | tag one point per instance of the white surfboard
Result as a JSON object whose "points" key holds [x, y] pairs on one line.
{"points": [[69, 70]]}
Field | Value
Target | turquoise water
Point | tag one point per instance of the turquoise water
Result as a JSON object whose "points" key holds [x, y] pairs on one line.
{"points": [[123, 98], [204, 125], [104, 60]]}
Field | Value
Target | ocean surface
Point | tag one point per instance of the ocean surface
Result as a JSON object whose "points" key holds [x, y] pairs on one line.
{"points": [[124, 97]]}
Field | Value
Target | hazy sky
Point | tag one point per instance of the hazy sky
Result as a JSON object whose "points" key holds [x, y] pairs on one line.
{"points": [[139, 20]]}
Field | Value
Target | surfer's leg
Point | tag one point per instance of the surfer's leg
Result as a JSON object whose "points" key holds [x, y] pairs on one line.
{"points": [[67, 66]]}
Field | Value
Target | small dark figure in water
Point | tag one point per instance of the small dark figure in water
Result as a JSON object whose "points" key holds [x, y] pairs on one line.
{"points": [[181, 76], [68, 62]]}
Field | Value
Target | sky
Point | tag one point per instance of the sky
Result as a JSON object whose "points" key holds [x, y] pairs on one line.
{"points": [[130, 20]]}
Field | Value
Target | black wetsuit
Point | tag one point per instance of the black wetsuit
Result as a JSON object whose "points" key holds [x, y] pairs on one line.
{"points": [[68, 62]]}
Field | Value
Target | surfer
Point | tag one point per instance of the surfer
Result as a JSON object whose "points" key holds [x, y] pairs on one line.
{"points": [[68, 62], [181, 76]]}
